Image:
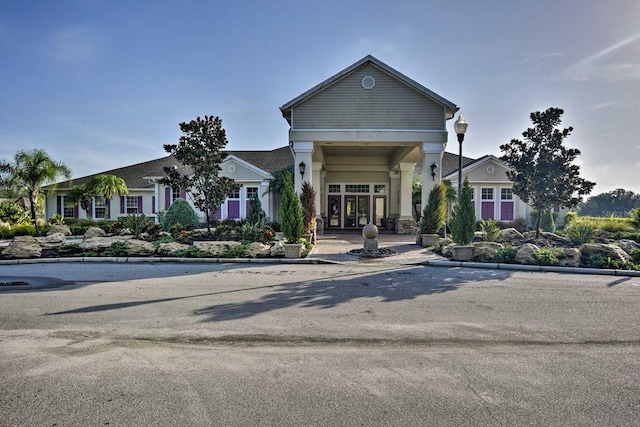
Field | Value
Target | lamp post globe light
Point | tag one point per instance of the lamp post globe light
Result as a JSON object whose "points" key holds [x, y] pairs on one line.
{"points": [[460, 127]]}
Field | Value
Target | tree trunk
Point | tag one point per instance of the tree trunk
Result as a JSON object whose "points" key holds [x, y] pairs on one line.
{"points": [[33, 201], [538, 223]]}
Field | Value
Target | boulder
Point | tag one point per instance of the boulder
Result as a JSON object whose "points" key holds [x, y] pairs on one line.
{"points": [[216, 249], [22, 247], [94, 232], [443, 241], [525, 254], [510, 237], [627, 245], [54, 240], [445, 249], [140, 248], [59, 228], [485, 251], [258, 250], [101, 243], [277, 249], [606, 250], [569, 257], [554, 238], [170, 249]]}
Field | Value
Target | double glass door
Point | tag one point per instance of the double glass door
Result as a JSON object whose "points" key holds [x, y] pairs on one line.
{"points": [[356, 211]]}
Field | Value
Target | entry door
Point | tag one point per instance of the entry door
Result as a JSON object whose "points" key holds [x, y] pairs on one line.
{"points": [[350, 212], [364, 210], [380, 211], [334, 211]]}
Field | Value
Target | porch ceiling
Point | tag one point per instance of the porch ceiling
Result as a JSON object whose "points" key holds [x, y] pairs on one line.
{"points": [[367, 153]]}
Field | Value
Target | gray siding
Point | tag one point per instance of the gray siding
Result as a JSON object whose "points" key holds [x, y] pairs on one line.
{"points": [[391, 104]]}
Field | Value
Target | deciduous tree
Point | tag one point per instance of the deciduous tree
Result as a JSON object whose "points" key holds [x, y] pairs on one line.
{"points": [[201, 149], [542, 168]]}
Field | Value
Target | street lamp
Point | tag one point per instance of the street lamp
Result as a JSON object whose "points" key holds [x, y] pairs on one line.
{"points": [[460, 127]]}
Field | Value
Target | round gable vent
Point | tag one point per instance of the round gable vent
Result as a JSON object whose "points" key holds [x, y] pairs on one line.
{"points": [[368, 82], [231, 168], [490, 169]]}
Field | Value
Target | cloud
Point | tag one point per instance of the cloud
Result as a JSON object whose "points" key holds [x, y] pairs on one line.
{"points": [[548, 55], [604, 105], [594, 67]]}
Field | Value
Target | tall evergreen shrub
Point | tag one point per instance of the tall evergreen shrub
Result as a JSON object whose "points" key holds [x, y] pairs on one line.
{"points": [[291, 212], [463, 222], [435, 212], [180, 212]]}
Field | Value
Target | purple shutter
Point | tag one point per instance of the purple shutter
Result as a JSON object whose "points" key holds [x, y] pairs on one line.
{"points": [[91, 210], [506, 211], [59, 205], [183, 194], [108, 206], [167, 197], [233, 209], [123, 204], [487, 210], [153, 204], [139, 204], [75, 210], [218, 213], [556, 208]]}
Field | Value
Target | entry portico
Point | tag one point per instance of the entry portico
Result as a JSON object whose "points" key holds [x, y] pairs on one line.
{"points": [[360, 134]]}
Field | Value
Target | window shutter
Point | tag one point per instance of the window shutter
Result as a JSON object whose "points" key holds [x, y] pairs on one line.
{"points": [[183, 194], [108, 206], [75, 211], [91, 210], [123, 204], [139, 204], [59, 205], [153, 204], [167, 197]]}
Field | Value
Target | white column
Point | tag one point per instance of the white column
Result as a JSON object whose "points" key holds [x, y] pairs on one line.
{"points": [[302, 153], [406, 176], [394, 192], [432, 153], [316, 183]]}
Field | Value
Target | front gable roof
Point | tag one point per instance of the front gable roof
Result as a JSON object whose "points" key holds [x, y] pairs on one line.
{"points": [[476, 165], [450, 107]]}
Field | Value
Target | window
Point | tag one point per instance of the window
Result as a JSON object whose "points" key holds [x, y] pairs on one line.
{"points": [[175, 194], [334, 188], [100, 207], [506, 194], [506, 204], [357, 188], [68, 210], [252, 192], [379, 188], [487, 194], [234, 194], [132, 204]]}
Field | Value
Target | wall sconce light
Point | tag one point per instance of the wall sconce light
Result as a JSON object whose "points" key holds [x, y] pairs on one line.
{"points": [[434, 166], [302, 167]]}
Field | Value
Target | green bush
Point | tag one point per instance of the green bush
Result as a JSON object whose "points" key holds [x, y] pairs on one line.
{"points": [[226, 232], [135, 223], [256, 214], [180, 212], [490, 230], [291, 212], [570, 218], [13, 213], [192, 252], [6, 232], [238, 251], [635, 254], [24, 229], [547, 256], [635, 217], [56, 219], [117, 248], [463, 221], [70, 248], [435, 212], [506, 255], [579, 233]]}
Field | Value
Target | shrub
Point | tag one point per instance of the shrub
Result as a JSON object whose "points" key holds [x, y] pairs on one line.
{"points": [[71, 248], [225, 232], [256, 214], [250, 232], [275, 226], [238, 251], [490, 230], [117, 248], [135, 223], [463, 221], [635, 254], [192, 252], [570, 218], [6, 232], [291, 212], [519, 224], [56, 219], [180, 212], [24, 229], [635, 217], [506, 255], [13, 213], [579, 233], [435, 212], [546, 256], [308, 203]]}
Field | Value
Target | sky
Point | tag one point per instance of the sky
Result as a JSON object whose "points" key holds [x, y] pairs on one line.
{"points": [[104, 84]]}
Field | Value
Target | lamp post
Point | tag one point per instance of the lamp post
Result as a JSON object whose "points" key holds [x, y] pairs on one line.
{"points": [[460, 127]]}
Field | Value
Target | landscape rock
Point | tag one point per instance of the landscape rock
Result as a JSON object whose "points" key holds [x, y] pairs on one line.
{"points": [[216, 249], [606, 250], [94, 232], [510, 237], [101, 243], [258, 250], [555, 238], [485, 251], [140, 248], [627, 245], [170, 249], [443, 241], [54, 240], [525, 254], [569, 257], [277, 249], [22, 247], [60, 228]]}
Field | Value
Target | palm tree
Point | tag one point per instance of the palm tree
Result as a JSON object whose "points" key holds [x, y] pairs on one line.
{"points": [[80, 194], [32, 170], [107, 186]]}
